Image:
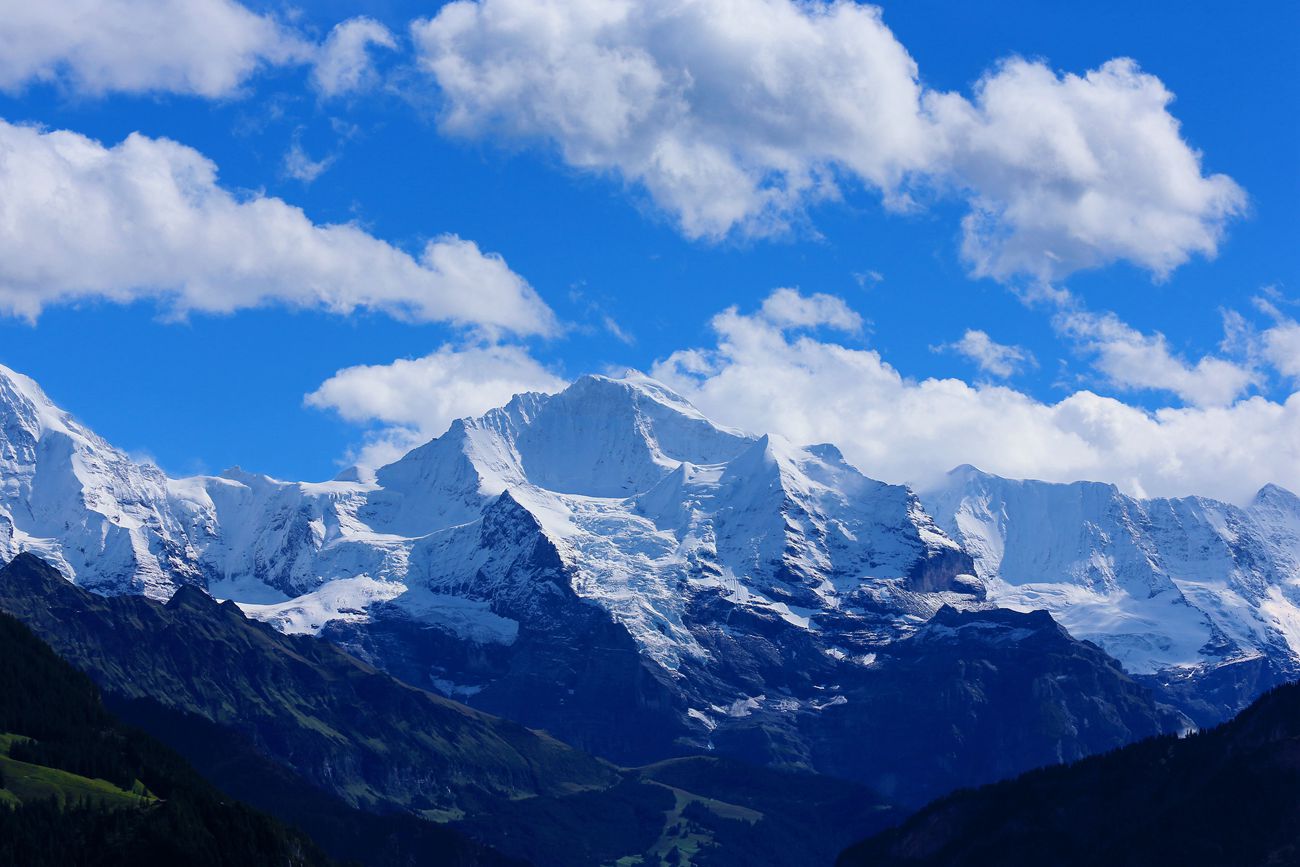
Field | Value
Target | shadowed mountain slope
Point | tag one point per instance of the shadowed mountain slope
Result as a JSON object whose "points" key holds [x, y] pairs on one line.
{"points": [[1227, 796], [77, 787]]}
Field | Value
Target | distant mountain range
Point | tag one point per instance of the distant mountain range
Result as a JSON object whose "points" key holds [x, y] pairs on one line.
{"points": [[611, 566]]}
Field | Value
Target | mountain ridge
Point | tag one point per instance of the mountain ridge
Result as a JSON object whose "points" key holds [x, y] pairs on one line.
{"points": [[1176, 589], [289, 724]]}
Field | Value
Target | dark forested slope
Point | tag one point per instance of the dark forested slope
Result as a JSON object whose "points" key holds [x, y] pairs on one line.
{"points": [[77, 787], [1226, 796]]}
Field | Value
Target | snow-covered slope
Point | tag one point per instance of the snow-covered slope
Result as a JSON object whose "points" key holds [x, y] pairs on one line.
{"points": [[647, 504], [70, 497], [1162, 584], [643, 503]]}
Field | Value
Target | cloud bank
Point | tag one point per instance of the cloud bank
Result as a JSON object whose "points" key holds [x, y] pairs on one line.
{"points": [[146, 219], [764, 374], [785, 368], [736, 115]]}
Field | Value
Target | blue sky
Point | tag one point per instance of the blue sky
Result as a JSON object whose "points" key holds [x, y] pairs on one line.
{"points": [[630, 286]]}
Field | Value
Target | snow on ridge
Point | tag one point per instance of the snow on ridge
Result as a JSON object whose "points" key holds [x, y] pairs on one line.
{"points": [[1160, 583], [65, 493]]}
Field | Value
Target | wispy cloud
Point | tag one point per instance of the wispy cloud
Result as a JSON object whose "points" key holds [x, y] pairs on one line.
{"points": [[997, 359]]}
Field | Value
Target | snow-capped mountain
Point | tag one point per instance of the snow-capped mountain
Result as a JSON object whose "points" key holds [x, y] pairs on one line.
{"points": [[644, 502], [606, 563], [637, 492], [1169, 587]]}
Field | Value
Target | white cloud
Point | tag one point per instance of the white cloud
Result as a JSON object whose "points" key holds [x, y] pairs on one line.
{"points": [[1282, 348], [1130, 359], [202, 47], [762, 377], [996, 359], [731, 113], [416, 399], [1278, 345], [1070, 172], [147, 219], [788, 308], [735, 115], [345, 64]]}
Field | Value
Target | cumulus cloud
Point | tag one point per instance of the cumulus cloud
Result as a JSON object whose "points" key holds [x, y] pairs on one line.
{"points": [[146, 218], [416, 399], [202, 47], [1282, 348], [735, 115], [207, 48], [1130, 359], [764, 376], [731, 113], [788, 308], [345, 64], [996, 359], [1068, 172]]}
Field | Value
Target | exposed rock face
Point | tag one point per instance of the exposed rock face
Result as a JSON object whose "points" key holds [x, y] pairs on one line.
{"points": [[971, 697]]}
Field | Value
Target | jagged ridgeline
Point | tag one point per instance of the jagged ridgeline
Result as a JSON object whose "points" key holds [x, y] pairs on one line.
{"points": [[77, 787]]}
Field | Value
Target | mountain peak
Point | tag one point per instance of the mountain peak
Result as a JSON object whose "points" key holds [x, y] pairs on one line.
{"points": [[606, 437], [635, 385], [22, 383], [189, 597], [30, 569], [1276, 495], [20, 395], [968, 471]]}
